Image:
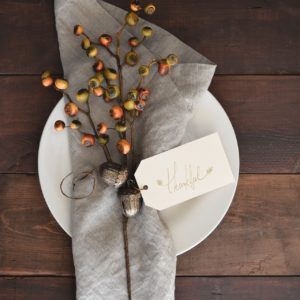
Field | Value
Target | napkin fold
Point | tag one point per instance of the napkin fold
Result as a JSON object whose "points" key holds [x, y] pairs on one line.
{"points": [[97, 239]]}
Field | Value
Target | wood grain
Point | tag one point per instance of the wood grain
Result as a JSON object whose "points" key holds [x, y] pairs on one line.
{"points": [[242, 37], [259, 236], [188, 288], [264, 111]]}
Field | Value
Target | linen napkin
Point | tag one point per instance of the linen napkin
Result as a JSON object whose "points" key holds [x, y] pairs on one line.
{"points": [[97, 239]]}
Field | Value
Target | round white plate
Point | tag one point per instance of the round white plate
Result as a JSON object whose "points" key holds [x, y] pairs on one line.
{"points": [[191, 222]]}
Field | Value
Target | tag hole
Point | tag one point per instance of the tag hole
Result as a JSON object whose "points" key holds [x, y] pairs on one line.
{"points": [[145, 188]]}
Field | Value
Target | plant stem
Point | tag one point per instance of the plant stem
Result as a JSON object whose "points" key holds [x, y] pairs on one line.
{"points": [[127, 262], [88, 114]]}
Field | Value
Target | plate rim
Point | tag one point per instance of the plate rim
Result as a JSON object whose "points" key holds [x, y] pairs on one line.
{"points": [[204, 237]]}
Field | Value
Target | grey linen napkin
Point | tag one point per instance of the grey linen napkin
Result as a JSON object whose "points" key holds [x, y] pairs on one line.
{"points": [[97, 220]]}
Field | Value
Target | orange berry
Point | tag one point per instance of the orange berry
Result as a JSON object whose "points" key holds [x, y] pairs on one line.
{"points": [[116, 112], [98, 91], [102, 128], [48, 81], [105, 40], [59, 125], [98, 66], [163, 67], [78, 30], [123, 146], [71, 109], [88, 140]]}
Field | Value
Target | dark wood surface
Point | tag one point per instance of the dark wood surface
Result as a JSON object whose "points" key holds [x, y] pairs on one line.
{"points": [[256, 44]]}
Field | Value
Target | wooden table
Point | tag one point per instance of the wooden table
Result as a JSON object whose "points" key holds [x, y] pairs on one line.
{"points": [[255, 252]]}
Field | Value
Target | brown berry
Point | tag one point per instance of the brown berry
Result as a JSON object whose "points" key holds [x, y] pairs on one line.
{"points": [[163, 67], [105, 40], [88, 140], [98, 66], [123, 146], [135, 5], [59, 125], [78, 30], [71, 109], [140, 105], [143, 93], [102, 128], [133, 42], [116, 112]]}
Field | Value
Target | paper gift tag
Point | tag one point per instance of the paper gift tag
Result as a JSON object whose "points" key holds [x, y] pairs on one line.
{"points": [[184, 172]]}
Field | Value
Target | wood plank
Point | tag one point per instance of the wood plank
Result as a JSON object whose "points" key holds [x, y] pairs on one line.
{"points": [[265, 112], [36, 288], [242, 37], [259, 236], [191, 288], [228, 288]]}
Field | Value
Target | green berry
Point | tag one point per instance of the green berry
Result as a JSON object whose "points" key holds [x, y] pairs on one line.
{"points": [[103, 139], [131, 58], [82, 95], [144, 70], [147, 31]]}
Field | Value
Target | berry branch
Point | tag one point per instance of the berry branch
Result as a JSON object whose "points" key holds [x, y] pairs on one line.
{"points": [[108, 84]]}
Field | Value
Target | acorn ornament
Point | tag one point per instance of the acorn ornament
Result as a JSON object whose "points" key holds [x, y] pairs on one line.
{"points": [[131, 201], [113, 174]]}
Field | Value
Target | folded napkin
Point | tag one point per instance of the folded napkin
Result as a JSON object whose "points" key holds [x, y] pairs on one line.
{"points": [[98, 247]]}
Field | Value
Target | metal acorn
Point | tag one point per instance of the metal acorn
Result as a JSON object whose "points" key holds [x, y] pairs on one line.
{"points": [[131, 200], [113, 174]]}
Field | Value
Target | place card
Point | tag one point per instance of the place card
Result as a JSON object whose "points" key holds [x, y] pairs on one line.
{"points": [[184, 172]]}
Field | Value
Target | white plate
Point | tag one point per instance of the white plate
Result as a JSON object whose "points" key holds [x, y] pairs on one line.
{"points": [[191, 222]]}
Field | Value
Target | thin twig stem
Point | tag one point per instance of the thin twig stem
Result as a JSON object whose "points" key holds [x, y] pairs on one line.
{"points": [[88, 114], [127, 261]]}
